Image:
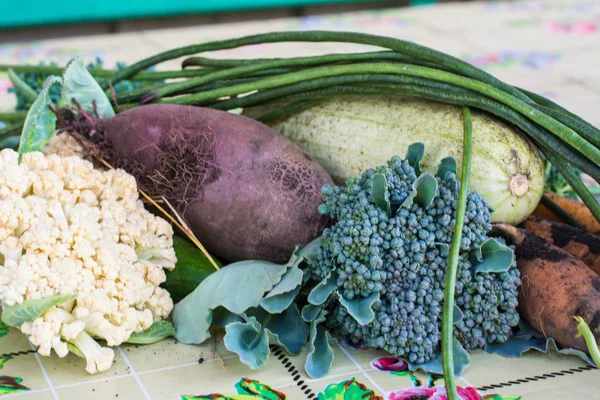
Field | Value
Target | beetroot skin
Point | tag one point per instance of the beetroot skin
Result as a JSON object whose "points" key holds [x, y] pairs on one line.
{"points": [[245, 191]]}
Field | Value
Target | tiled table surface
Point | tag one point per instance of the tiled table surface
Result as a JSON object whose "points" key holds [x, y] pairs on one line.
{"points": [[550, 47]]}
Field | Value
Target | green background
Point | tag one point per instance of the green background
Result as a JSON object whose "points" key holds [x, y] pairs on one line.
{"points": [[23, 13]]}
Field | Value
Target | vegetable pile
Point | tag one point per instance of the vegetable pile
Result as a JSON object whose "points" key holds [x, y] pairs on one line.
{"points": [[420, 257]]}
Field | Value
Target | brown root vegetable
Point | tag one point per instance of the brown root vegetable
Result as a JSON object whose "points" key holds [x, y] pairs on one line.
{"points": [[555, 288], [579, 243], [577, 209], [245, 191]]}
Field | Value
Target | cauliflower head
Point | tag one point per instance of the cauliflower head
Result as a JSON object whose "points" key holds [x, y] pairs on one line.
{"points": [[67, 228]]}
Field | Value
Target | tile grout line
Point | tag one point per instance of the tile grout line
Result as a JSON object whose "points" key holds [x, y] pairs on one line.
{"points": [[347, 353], [182, 365], [135, 375], [111, 378], [45, 373]]}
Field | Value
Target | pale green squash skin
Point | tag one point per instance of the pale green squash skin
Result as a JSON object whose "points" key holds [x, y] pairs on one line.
{"points": [[348, 135]]}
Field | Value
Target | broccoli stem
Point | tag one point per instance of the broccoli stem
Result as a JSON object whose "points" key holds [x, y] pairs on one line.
{"points": [[447, 316]]}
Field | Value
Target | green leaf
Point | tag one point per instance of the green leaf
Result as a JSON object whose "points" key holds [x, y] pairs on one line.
{"points": [[492, 256], [289, 330], [361, 308], [22, 87], [29, 310], [310, 312], [444, 249], [447, 165], [457, 315], [552, 346], [414, 155], [81, 85], [379, 192], [257, 389], [434, 366], [191, 269], [311, 251], [320, 358], [348, 390], [282, 295], [249, 341], [237, 287], [424, 190], [40, 122], [158, 331], [221, 317], [320, 293], [514, 347]]}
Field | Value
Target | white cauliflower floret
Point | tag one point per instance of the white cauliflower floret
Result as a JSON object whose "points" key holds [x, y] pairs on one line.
{"points": [[67, 228]]}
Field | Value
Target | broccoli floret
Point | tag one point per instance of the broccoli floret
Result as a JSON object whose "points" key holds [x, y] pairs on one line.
{"points": [[402, 255], [36, 82]]}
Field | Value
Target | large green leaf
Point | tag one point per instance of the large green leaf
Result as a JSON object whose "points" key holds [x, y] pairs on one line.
{"points": [[236, 287], [81, 85], [158, 331], [311, 251], [282, 295], [434, 366], [361, 308], [29, 310], [320, 293], [259, 390], [289, 330], [249, 341], [191, 269], [310, 312], [320, 358], [380, 193], [40, 122], [492, 256]]}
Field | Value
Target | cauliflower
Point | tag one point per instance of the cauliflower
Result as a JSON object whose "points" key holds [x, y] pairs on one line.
{"points": [[69, 229]]}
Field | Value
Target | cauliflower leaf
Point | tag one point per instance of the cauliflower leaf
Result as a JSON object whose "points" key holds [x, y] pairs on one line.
{"points": [[29, 310], [40, 122]]}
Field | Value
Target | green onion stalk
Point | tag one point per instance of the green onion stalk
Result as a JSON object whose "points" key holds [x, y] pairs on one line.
{"points": [[388, 66]]}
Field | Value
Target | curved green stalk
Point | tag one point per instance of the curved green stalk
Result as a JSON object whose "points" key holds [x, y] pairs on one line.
{"points": [[22, 86], [575, 182], [452, 269], [401, 46], [328, 59], [288, 110], [303, 89], [13, 116], [555, 127], [559, 212], [243, 71], [106, 73]]}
